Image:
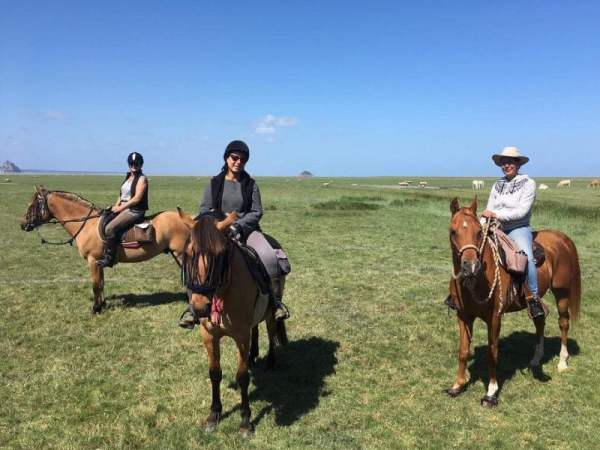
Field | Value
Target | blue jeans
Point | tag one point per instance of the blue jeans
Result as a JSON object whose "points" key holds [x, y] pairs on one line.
{"points": [[524, 240]]}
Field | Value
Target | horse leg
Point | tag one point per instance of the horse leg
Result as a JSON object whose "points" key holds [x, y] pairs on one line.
{"points": [[465, 325], [272, 332], [540, 324], [97, 273], [242, 340], [491, 397], [253, 346], [562, 304], [216, 375]]}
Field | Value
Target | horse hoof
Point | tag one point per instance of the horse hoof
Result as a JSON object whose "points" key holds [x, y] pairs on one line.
{"points": [[489, 401], [453, 393], [246, 431], [209, 426]]}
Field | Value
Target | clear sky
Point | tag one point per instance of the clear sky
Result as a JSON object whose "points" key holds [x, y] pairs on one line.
{"points": [[338, 88]]}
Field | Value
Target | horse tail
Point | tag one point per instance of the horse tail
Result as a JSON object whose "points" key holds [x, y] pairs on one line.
{"points": [[282, 338], [575, 297]]}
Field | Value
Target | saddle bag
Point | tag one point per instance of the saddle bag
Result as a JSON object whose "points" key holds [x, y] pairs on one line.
{"points": [[144, 232], [514, 260]]}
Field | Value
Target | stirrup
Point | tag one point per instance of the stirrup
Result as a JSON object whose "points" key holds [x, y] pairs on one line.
{"points": [[539, 309], [450, 303], [281, 312], [188, 321]]}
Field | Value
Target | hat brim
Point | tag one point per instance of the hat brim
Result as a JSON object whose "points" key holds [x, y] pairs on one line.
{"points": [[522, 159]]}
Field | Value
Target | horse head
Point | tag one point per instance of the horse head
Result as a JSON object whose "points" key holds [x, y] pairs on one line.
{"points": [[206, 260], [466, 237], [38, 211]]}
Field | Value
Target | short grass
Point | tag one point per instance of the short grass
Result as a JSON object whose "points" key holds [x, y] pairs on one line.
{"points": [[371, 346]]}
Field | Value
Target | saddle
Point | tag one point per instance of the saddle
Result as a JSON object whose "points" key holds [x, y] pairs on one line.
{"points": [[132, 236]]}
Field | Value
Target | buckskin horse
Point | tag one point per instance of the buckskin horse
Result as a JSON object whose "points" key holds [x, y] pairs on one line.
{"points": [[80, 217], [218, 274], [480, 288]]}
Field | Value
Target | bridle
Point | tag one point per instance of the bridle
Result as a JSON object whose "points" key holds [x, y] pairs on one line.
{"points": [[35, 218]]}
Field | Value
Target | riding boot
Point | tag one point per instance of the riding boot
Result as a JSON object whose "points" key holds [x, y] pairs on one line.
{"points": [[536, 308], [280, 311], [110, 254]]}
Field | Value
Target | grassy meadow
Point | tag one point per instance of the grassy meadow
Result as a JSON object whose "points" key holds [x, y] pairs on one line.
{"points": [[371, 345]]}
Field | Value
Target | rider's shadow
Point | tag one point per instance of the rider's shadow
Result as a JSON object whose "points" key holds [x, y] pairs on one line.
{"points": [[147, 300], [298, 382], [515, 352]]}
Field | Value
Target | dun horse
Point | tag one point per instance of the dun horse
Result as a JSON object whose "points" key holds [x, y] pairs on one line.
{"points": [[218, 275], [480, 288], [80, 217]]}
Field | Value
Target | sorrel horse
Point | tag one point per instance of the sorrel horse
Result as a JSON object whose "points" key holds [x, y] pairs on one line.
{"points": [[217, 272], [80, 217], [480, 288]]}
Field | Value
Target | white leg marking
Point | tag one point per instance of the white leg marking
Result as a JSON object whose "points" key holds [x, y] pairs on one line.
{"points": [[538, 353], [492, 389], [564, 357]]}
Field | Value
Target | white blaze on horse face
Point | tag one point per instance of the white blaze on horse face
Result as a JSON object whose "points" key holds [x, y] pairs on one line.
{"points": [[465, 224]]}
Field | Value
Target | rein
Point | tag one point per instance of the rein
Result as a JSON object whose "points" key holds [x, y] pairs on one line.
{"points": [[492, 239]]}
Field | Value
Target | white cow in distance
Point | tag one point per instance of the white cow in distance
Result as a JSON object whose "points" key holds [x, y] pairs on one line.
{"points": [[403, 184], [478, 184], [422, 184], [564, 183], [543, 187]]}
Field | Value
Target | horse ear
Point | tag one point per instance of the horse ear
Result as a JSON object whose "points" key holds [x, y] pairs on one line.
{"points": [[454, 206], [473, 206], [224, 224], [185, 218]]}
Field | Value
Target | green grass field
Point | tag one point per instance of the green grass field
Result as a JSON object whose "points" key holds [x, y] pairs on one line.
{"points": [[372, 348]]}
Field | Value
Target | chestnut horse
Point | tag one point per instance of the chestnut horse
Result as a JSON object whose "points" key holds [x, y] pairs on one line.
{"points": [[480, 288], [80, 217], [217, 272]]}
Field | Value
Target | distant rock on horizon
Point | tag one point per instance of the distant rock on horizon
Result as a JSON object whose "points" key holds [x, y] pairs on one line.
{"points": [[306, 173], [9, 167]]}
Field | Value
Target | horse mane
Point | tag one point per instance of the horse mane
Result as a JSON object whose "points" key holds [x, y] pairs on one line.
{"points": [[207, 239], [74, 198]]}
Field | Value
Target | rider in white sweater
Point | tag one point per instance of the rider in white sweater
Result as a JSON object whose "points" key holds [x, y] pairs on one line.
{"points": [[511, 202]]}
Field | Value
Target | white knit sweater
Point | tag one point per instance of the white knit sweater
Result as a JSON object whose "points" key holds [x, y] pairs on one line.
{"points": [[512, 201]]}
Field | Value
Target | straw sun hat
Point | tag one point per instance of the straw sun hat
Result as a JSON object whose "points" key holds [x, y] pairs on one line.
{"points": [[510, 152]]}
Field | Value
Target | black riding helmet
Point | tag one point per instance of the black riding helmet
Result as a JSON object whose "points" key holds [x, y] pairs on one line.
{"points": [[135, 158], [236, 146]]}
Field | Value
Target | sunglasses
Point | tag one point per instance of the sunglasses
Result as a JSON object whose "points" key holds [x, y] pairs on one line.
{"points": [[134, 164], [236, 158], [507, 162]]}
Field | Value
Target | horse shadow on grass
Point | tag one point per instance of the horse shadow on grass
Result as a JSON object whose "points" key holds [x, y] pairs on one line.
{"points": [[298, 382], [147, 300], [515, 352]]}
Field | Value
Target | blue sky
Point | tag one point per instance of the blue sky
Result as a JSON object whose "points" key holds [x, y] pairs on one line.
{"points": [[352, 88]]}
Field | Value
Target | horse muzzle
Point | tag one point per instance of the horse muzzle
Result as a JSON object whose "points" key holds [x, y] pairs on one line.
{"points": [[470, 268], [200, 312], [27, 226]]}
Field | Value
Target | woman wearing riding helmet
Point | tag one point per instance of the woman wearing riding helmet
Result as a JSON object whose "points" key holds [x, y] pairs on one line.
{"points": [[234, 190], [131, 205]]}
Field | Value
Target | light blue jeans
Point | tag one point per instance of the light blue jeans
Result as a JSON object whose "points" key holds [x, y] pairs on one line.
{"points": [[524, 240]]}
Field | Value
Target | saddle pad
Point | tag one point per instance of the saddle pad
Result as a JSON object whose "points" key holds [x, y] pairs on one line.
{"points": [[262, 302]]}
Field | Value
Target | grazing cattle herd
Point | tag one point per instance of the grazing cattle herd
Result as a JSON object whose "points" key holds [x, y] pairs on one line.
{"points": [[478, 184]]}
